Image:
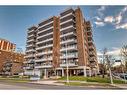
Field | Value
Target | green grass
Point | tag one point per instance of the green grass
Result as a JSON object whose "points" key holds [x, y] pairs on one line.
{"points": [[86, 84], [92, 79], [14, 79]]}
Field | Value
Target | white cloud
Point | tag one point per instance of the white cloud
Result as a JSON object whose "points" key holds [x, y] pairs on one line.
{"points": [[109, 19], [99, 23], [99, 53], [118, 19], [100, 10], [124, 10], [97, 18], [115, 52], [121, 26]]}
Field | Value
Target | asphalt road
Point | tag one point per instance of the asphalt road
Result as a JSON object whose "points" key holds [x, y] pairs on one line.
{"points": [[29, 86]]}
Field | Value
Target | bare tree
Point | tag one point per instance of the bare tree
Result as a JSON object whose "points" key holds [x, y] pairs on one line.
{"points": [[124, 56], [103, 61], [107, 64]]}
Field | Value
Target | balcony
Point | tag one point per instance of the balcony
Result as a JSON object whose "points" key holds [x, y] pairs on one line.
{"points": [[28, 67], [29, 61], [69, 41], [92, 59], [43, 66], [92, 53], [30, 45], [30, 31], [45, 30], [69, 48], [68, 34], [44, 47], [31, 40], [47, 40], [30, 50], [42, 53], [70, 20], [66, 15], [45, 35], [69, 64], [69, 56], [70, 26], [51, 22], [44, 59], [32, 35], [29, 55]]}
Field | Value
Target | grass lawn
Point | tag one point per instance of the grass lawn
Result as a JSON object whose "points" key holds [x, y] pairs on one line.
{"points": [[88, 84], [14, 79], [93, 79]]}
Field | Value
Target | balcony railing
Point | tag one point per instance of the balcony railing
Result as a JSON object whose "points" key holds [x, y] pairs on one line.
{"points": [[42, 53], [30, 50], [68, 41], [69, 56], [43, 66], [67, 34], [61, 17], [31, 40], [70, 26], [69, 48], [43, 59], [30, 35], [46, 24], [28, 67], [29, 55], [45, 30], [43, 47], [44, 35], [73, 64], [69, 20], [40, 42]]}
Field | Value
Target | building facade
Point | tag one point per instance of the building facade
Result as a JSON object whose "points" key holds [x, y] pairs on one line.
{"points": [[6, 45], [60, 42], [11, 62]]}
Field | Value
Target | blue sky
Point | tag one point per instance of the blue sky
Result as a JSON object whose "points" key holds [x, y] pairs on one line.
{"points": [[109, 23]]}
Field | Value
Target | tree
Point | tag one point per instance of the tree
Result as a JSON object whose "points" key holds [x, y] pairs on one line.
{"points": [[124, 55], [107, 63], [109, 66], [103, 61]]}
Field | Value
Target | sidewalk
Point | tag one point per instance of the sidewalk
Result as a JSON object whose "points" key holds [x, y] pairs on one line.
{"points": [[57, 82], [48, 82], [121, 86]]}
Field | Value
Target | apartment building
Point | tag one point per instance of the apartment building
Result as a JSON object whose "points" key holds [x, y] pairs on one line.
{"points": [[30, 50], [6, 45], [11, 62], [60, 42]]}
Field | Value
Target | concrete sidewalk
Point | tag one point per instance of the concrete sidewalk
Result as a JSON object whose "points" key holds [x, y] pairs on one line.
{"points": [[121, 85], [57, 83], [48, 82]]}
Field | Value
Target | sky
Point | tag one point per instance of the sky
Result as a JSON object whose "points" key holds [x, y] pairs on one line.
{"points": [[109, 23]]}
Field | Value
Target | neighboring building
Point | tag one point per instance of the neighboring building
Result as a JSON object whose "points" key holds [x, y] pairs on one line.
{"points": [[11, 62], [6, 45], [60, 40]]}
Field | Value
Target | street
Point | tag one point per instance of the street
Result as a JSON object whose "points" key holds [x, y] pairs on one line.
{"points": [[30, 86]]}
